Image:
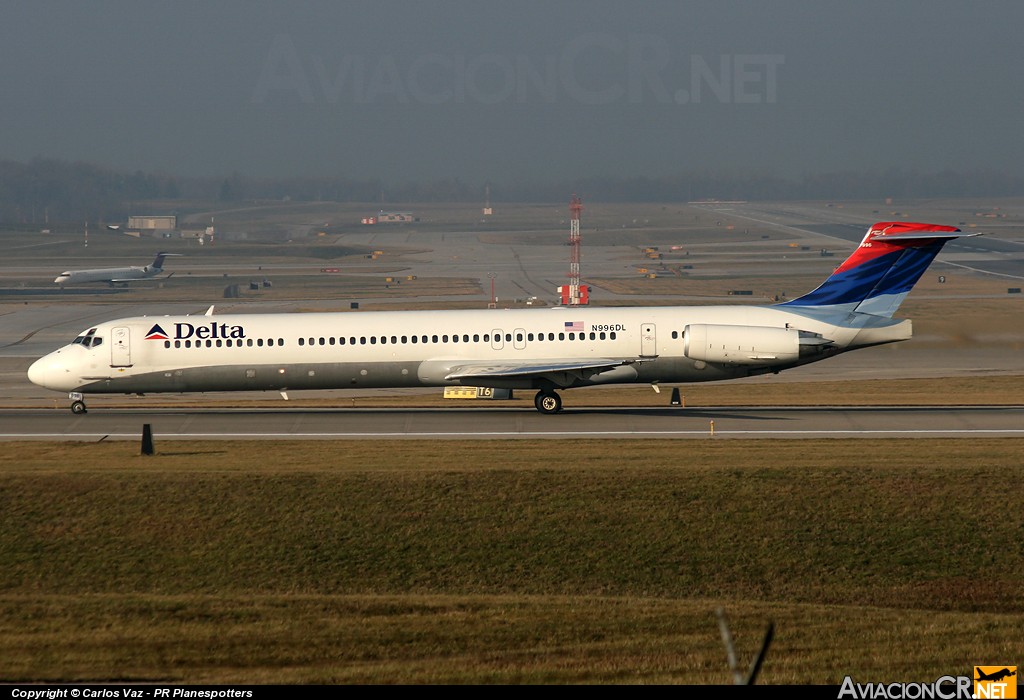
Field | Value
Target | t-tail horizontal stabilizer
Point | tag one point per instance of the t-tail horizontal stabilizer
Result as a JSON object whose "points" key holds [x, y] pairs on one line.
{"points": [[158, 262], [881, 272]]}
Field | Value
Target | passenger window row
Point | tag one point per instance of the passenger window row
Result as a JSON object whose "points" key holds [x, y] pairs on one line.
{"points": [[383, 340], [454, 338], [227, 343]]}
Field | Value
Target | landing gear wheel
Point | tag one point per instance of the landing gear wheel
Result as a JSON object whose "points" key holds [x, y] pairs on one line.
{"points": [[78, 407], [547, 402]]}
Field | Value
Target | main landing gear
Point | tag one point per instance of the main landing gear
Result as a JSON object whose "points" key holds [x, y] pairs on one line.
{"points": [[77, 404], [547, 401]]}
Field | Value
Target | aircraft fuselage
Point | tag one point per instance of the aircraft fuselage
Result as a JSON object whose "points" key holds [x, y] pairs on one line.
{"points": [[408, 349]]}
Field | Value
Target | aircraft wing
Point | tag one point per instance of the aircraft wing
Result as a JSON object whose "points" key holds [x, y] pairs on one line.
{"points": [[559, 372]]}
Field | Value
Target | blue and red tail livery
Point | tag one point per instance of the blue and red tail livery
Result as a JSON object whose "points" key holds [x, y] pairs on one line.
{"points": [[881, 272]]}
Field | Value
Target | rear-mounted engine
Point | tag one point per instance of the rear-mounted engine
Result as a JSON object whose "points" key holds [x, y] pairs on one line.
{"points": [[750, 345]]}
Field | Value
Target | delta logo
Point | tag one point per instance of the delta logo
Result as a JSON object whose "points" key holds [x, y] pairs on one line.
{"points": [[185, 331], [157, 333], [995, 682]]}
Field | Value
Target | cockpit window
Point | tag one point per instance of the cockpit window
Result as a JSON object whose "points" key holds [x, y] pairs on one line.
{"points": [[88, 339]]}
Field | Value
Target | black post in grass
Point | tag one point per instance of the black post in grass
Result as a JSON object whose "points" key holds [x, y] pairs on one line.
{"points": [[675, 397], [147, 439]]}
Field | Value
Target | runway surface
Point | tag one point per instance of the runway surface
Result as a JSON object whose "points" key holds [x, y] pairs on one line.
{"points": [[515, 423]]}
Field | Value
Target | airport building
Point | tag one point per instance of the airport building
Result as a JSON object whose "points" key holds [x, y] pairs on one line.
{"points": [[390, 217], [152, 223]]}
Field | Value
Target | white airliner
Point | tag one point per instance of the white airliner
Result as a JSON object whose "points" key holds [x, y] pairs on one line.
{"points": [[114, 275], [540, 349]]}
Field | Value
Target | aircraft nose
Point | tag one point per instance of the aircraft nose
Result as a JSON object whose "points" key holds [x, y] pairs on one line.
{"points": [[39, 371], [51, 372]]}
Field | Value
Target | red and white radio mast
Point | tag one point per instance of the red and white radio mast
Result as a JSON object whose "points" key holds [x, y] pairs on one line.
{"points": [[574, 293]]}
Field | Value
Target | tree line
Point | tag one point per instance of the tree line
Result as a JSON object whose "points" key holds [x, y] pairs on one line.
{"points": [[48, 190]]}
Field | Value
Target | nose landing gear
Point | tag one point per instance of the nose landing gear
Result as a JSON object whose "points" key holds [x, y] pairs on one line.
{"points": [[77, 404]]}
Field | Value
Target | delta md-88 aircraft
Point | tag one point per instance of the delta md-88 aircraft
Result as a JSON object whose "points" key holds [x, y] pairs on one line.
{"points": [[537, 349]]}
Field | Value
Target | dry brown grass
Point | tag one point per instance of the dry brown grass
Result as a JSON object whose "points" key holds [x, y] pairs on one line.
{"points": [[447, 562], [477, 639]]}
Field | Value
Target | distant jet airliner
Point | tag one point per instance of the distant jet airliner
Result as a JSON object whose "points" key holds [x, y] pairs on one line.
{"points": [[541, 349], [114, 275]]}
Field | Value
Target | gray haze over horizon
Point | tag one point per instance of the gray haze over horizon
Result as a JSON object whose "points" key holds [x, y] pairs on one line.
{"points": [[514, 91]]}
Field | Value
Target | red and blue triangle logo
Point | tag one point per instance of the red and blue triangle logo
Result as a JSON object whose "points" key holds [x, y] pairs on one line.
{"points": [[157, 333]]}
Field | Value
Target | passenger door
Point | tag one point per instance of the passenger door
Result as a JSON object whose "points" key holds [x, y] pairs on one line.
{"points": [[120, 347]]}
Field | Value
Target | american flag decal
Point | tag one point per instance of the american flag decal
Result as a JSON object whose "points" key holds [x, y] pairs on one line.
{"points": [[573, 326], [156, 333]]}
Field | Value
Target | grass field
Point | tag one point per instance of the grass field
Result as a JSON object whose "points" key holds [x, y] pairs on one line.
{"points": [[561, 562]]}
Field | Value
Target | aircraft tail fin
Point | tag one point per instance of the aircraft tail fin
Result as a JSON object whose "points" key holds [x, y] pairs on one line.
{"points": [[881, 272], [158, 262]]}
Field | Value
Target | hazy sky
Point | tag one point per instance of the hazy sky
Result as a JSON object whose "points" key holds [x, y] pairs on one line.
{"points": [[512, 91]]}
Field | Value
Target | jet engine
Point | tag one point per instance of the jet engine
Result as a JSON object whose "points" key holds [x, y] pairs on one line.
{"points": [[750, 345]]}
